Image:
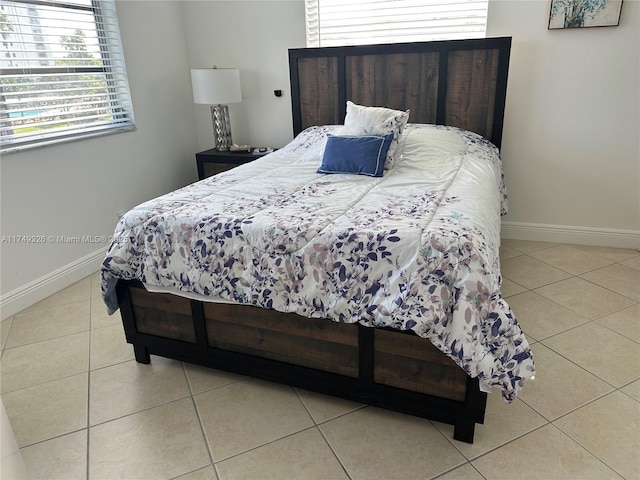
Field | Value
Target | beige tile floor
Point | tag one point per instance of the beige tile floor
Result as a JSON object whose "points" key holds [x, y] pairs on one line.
{"points": [[81, 407]]}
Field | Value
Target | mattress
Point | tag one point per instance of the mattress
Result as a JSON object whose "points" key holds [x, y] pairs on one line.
{"points": [[415, 249]]}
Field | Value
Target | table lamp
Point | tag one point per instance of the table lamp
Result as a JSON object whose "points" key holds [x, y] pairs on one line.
{"points": [[217, 87]]}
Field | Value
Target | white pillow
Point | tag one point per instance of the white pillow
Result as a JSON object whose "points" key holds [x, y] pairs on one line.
{"points": [[361, 120]]}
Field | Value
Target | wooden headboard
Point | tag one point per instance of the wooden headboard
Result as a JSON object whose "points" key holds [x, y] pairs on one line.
{"points": [[462, 83]]}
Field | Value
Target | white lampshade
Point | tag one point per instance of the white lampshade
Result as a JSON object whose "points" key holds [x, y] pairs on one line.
{"points": [[214, 86]]}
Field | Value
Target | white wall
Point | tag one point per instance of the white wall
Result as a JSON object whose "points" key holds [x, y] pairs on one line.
{"points": [[77, 188], [253, 36], [570, 148]]}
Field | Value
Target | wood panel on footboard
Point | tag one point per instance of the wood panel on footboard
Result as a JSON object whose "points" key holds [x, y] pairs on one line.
{"points": [[390, 369]]}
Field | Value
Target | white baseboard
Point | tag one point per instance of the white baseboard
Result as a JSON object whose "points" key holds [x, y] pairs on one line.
{"points": [[39, 289], [601, 237]]}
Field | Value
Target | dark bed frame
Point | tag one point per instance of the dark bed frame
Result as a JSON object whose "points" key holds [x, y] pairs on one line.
{"points": [[460, 83]]}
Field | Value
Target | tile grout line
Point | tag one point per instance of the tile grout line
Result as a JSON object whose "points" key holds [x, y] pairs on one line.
{"points": [[583, 368], [317, 427], [89, 393], [533, 290], [552, 425], [579, 275], [614, 331], [577, 364], [531, 256], [516, 438], [574, 409], [452, 442], [275, 440], [468, 462], [304, 405], [207, 445], [203, 431], [335, 453], [589, 451]]}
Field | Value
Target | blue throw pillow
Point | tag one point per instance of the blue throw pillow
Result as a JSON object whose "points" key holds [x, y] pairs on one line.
{"points": [[359, 154]]}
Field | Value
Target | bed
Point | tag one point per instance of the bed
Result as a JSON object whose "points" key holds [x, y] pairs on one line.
{"points": [[382, 287]]}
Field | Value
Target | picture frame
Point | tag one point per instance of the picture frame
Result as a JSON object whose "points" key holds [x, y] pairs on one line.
{"points": [[584, 13]]}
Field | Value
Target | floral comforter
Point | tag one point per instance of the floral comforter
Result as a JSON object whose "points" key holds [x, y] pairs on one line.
{"points": [[416, 249]]}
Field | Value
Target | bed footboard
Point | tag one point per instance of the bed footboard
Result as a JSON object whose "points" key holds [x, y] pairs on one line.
{"points": [[389, 369]]}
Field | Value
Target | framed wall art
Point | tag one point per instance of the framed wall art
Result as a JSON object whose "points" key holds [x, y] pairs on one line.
{"points": [[584, 13]]}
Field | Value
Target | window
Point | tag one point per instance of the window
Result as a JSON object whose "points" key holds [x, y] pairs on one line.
{"points": [[63, 75], [357, 22]]}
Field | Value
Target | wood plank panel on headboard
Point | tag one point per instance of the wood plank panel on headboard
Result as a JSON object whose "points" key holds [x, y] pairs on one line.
{"points": [[319, 92], [471, 88], [399, 81], [457, 82]]}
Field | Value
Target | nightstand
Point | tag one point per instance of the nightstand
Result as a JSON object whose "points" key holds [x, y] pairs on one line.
{"points": [[212, 162]]}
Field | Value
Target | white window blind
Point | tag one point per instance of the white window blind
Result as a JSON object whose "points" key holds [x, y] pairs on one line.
{"points": [[63, 75], [357, 22]]}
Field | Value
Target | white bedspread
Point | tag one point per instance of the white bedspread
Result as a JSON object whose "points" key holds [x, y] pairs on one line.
{"points": [[416, 249]]}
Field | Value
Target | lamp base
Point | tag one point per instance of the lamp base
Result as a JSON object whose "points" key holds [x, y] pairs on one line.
{"points": [[221, 127]]}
